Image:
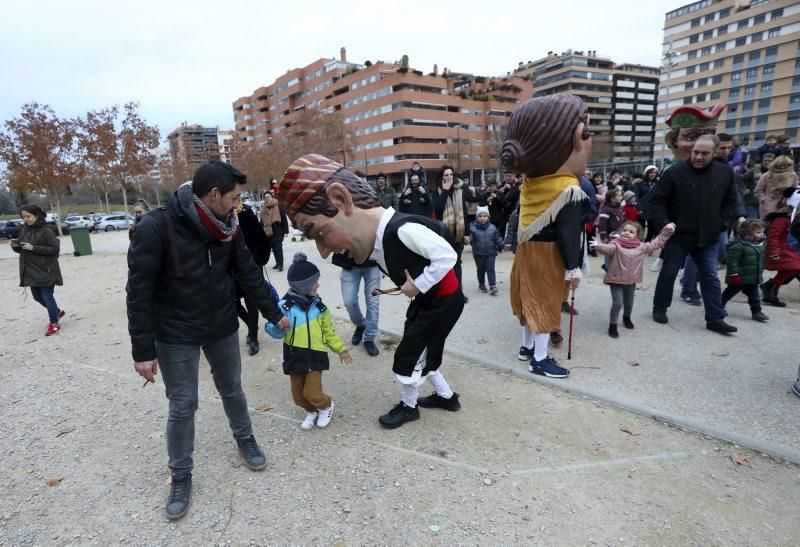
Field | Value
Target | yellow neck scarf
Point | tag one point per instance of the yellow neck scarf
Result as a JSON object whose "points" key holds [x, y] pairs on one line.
{"points": [[538, 194]]}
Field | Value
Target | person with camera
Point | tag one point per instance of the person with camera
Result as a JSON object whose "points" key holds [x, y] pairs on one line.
{"points": [[415, 199], [38, 249]]}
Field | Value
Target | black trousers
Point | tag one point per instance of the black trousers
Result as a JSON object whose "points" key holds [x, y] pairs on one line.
{"points": [[247, 312], [751, 291], [276, 242], [427, 326]]}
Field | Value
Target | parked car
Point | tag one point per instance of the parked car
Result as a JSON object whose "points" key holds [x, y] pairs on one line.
{"points": [[9, 229], [64, 227], [80, 221], [113, 222]]}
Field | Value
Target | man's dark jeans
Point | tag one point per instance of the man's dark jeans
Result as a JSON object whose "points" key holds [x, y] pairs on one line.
{"points": [[179, 366], [706, 258]]}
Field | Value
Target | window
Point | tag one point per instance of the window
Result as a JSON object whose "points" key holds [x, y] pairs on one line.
{"points": [[690, 69], [714, 95], [747, 107], [766, 87], [719, 63], [737, 59], [694, 38], [707, 35], [704, 66], [736, 76], [722, 31], [758, 19], [733, 94], [709, 18], [730, 125], [762, 119], [769, 69], [717, 79], [776, 14], [764, 103], [749, 90], [702, 82], [741, 41], [687, 100], [719, 47], [754, 55], [692, 54], [774, 32], [742, 24], [705, 51], [757, 37], [796, 81], [690, 84], [752, 72], [772, 51], [724, 13], [695, 22], [732, 109], [794, 99]]}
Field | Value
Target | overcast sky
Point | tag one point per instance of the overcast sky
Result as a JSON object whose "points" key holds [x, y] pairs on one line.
{"points": [[188, 61]]}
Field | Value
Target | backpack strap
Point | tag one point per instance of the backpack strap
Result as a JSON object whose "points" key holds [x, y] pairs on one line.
{"points": [[171, 240]]}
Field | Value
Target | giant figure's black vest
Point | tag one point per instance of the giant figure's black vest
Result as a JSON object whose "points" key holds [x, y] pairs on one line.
{"points": [[398, 257]]}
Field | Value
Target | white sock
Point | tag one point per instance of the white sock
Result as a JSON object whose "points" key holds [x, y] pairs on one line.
{"points": [[541, 339], [527, 337], [410, 395], [439, 384]]}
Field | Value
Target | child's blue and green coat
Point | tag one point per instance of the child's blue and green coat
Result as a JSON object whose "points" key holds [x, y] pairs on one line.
{"points": [[309, 336]]}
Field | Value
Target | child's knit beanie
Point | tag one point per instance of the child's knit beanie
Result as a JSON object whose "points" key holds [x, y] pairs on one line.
{"points": [[482, 210], [302, 274]]}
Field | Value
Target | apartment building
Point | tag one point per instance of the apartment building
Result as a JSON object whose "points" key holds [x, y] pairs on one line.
{"points": [[743, 53], [620, 98], [395, 114], [191, 145]]}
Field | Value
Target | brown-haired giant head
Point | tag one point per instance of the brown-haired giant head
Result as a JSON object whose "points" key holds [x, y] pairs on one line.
{"points": [[541, 134]]}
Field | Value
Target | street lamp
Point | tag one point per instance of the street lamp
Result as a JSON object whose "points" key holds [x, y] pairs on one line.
{"points": [[669, 63]]}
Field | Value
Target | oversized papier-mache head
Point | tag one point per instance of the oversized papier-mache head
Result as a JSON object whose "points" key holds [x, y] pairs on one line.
{"points": [[687, 123], [541, 134], [304, 184]]}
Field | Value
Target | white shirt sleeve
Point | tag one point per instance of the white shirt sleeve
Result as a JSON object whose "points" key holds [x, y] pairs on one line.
{"points": [[432, 246]]}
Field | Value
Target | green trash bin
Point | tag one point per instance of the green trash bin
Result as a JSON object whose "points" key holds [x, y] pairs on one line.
{"points": [[81, 241]]}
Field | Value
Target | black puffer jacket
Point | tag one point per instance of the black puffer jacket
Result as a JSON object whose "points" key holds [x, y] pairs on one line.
{"points": [[184, 293], [39, 267]]}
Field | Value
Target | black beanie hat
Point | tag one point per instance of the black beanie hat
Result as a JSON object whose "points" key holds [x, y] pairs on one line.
{"points": [[302, 274]]}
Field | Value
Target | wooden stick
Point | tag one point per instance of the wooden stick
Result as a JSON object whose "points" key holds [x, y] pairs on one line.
{"points": [[571, 316], [393, 290]]}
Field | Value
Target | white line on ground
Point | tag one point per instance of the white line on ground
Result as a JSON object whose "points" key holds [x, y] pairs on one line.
{"points": [[604, 463], [438, 459]]}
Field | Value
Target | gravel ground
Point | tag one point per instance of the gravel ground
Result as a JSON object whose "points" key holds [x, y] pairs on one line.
{"points": [[519, 463]]}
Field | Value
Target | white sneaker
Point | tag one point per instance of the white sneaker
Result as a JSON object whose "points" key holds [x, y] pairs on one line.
{"points": [[325, 416], [656, 265], [310, 420]]}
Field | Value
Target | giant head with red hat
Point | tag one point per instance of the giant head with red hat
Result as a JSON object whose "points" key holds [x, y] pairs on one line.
{"points": [[687, 123]]}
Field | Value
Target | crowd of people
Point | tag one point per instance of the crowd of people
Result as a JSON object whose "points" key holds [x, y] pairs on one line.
{"points": [[191, 274]]}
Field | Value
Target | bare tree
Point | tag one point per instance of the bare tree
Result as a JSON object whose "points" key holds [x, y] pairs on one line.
{"points": [[41, 153]]}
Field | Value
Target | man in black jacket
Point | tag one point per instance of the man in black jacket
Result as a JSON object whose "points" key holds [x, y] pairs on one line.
{"points": [[181, 298], [697, 195]]}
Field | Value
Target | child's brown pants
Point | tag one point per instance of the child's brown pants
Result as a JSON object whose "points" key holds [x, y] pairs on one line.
{"points": [[307, 390]]}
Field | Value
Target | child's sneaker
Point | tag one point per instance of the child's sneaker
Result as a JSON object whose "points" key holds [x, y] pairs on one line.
{"points": [[525, 354], [310, 420], [493, 290], [482, 288], [52, 328], [325, 415]]}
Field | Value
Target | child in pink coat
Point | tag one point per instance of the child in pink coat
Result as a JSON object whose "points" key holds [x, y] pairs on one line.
{"points": [[626, 255]]}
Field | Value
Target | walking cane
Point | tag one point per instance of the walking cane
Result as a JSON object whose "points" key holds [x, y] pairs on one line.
{"points": [[571, 315]]}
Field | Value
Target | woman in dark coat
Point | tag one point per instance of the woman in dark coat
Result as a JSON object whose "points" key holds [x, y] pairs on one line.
{"points": [[38, 249], [258, 244], [275, 226]]}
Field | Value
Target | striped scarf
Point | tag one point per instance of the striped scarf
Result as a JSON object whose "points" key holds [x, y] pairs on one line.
{"points": [[209, 225], [454, 212]]}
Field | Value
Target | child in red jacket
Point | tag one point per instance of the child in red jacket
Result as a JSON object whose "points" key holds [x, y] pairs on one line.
{"points": [[631, 207]]}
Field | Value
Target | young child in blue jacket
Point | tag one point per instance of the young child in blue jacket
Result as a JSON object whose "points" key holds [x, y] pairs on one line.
{"points": [[306, 341], [486, 241]]}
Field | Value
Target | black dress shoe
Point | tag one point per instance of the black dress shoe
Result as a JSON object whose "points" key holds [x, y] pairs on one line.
{"points": [[179, 498], [721, 327], [437, 401], [660, 316], [357, 336], [399, 415], [253, 347], [371, 348]]}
